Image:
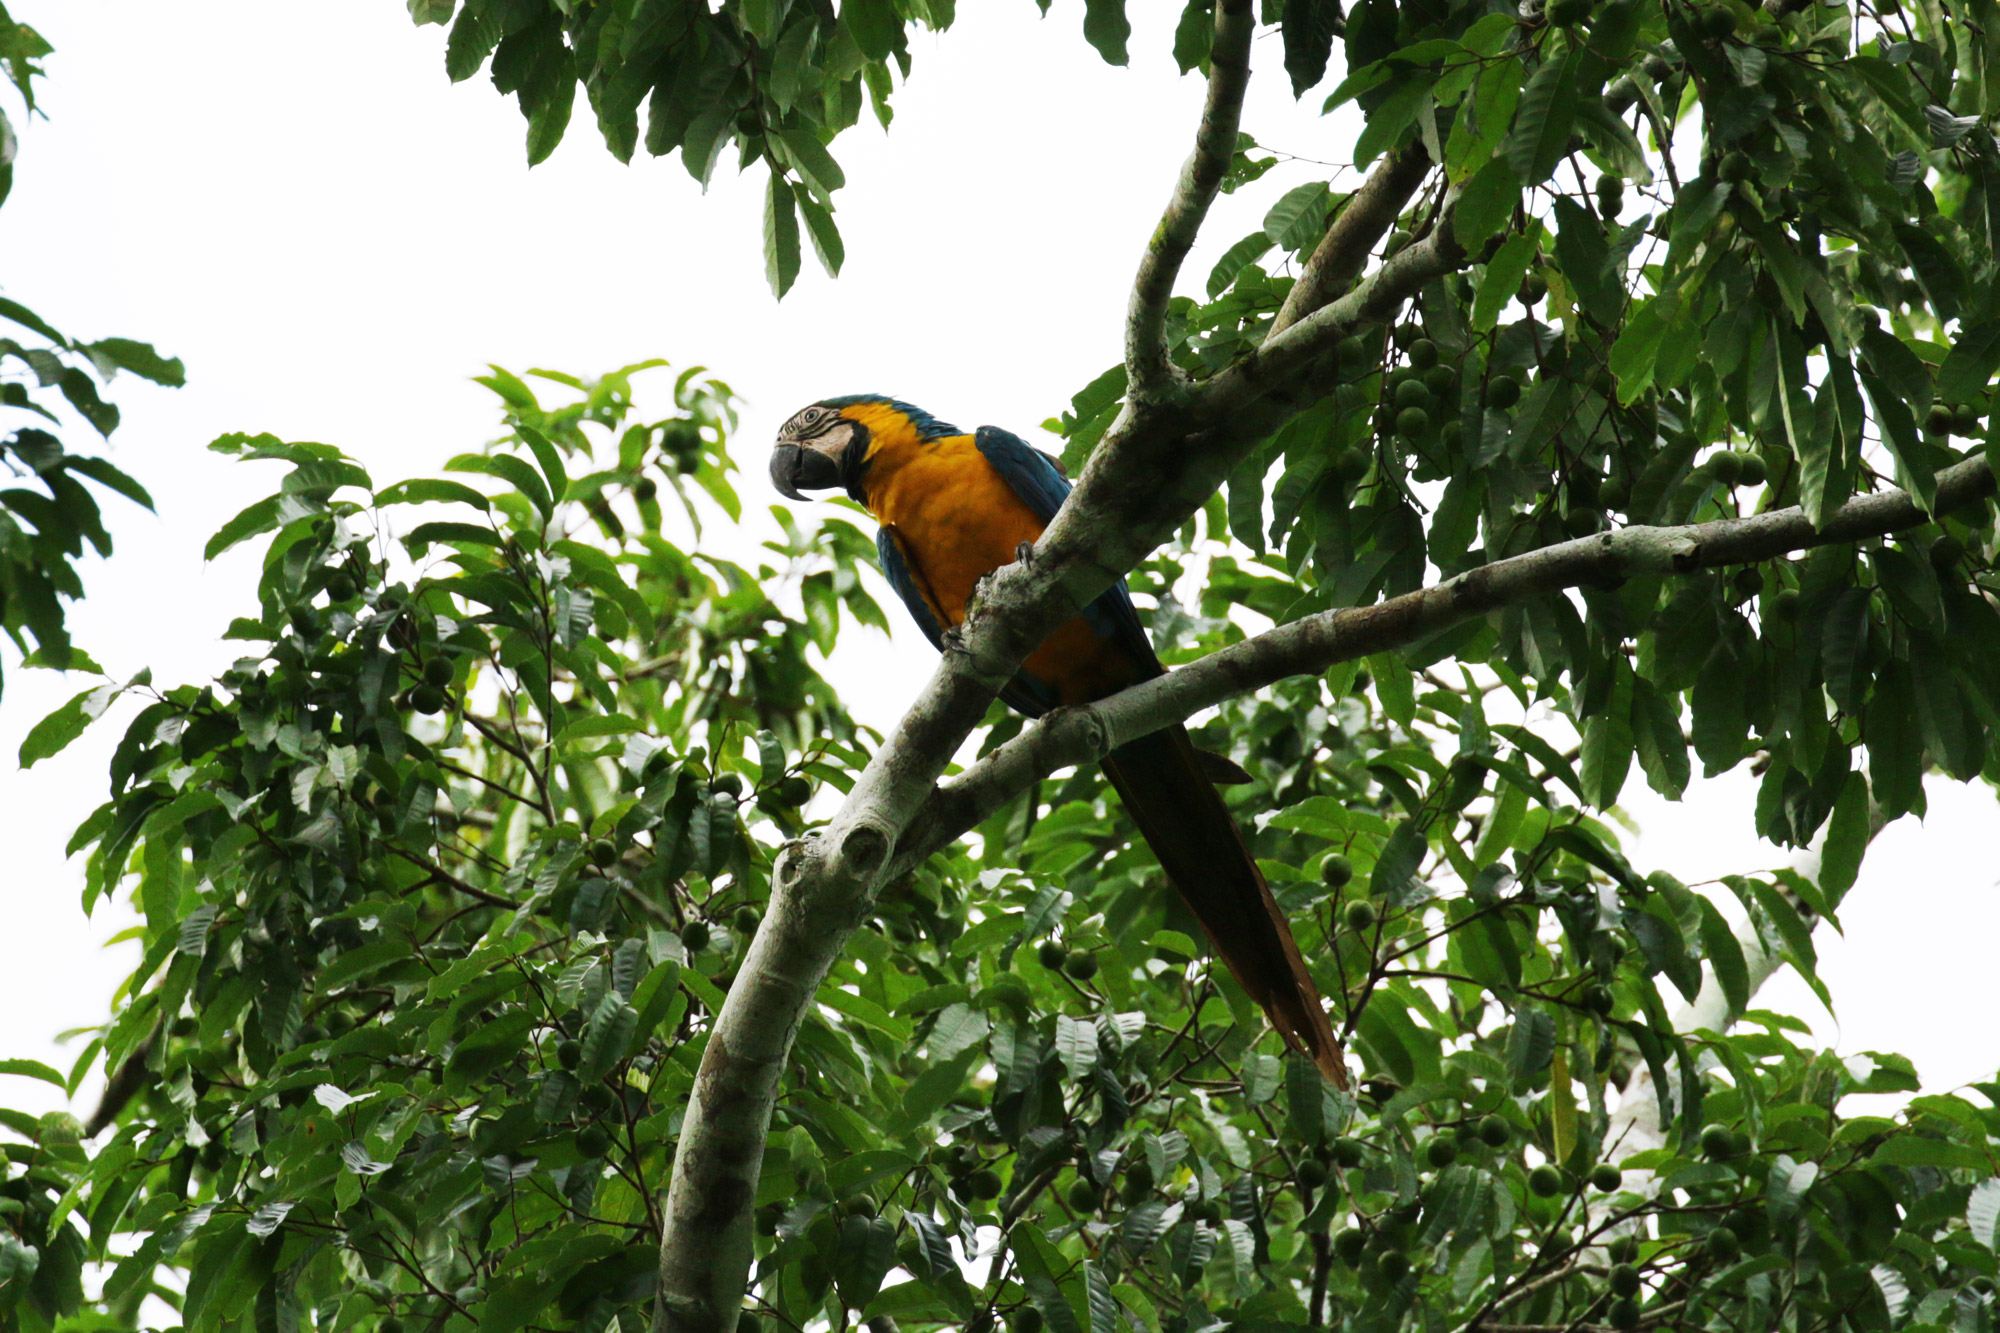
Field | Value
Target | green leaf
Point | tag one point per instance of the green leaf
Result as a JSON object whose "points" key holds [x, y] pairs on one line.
{"points": [[140, 359], [1235, 259], [1543, 123], [1501, 280], [1398, 862], [1486, 205], [52, 734], [826, 242], [1974, 356], [606, 1037], [1910, 1150], [781, 237], [1846, 842], [1106, 28], [1725, 956], [874, 25], [1608, 742], [33, 1069], [1309, 27], [432, 490], [814, 164], [865, 1254]]}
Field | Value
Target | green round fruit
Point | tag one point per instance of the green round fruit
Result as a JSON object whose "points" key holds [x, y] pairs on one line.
{"points": [[1567, 13], [1407, 333], [1533, 288], [727, 784], [1615, 494], [1754, 473], [746, 921], [1312, 1173], [1085, 1196], [1440, 1152], [1423, 353], [1723, 1245], [1348, 1153], [1597, 999], [1353, 351], [1081, 966], [1412, 393], [597, 1099], [427, 699], [1734, 167], [1786, 604], [1350, 1245], [1360, 915], [1726, 468], [1624, 1280], [984, 1184], [645, 490], [340, 588], [1393, 1265], [1623, 1249], [389, 1324], [1352, 465], [1582, 522], [858, 1205], [695, 935], [1748, 582], [1623, 1314], [603, 853], [1610, 195], [1718, 23], [1946, 552], [1938, 421], [592, 1141], [1546, 1181], [1052, 955], [1399, 240], [1336, 871], [1495, 1132], [438, 672], [1502, 392], [1450, 433], [1208, 1211], [1717, 1142], [747, 1322], [1440, 380], [569, 1053], [794, 792], [1604, 1178], [1027, 1319]]}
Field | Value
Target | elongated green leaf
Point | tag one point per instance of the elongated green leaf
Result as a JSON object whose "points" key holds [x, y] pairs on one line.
{"points": [[1542, 124]]}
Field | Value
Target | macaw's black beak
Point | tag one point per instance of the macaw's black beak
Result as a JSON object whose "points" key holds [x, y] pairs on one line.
{"points": [[795, 469]]}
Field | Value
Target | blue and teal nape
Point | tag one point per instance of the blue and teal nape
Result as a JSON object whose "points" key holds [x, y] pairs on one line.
{"points": [[928, 427]]}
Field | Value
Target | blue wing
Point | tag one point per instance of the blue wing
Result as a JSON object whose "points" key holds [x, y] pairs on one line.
{"points": [[1020, 694], [1034, 476], [897, 567]]}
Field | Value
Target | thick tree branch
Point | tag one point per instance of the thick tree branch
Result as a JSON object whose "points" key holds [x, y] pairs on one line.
{"points": [[1343, 252], [1146, 363], [1082, 735]]}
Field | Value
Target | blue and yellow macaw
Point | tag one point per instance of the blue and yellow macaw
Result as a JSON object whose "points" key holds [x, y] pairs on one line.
{"points": [[954, 507]]}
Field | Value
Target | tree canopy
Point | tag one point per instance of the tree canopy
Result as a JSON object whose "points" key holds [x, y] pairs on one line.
{"points": [[533, 941]]}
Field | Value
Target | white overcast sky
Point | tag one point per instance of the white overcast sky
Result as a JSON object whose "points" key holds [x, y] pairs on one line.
{"points": [[294, 200]]}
